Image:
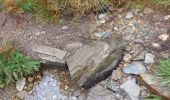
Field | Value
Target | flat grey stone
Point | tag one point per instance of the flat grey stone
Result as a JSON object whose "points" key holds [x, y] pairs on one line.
{"points": [[20, 84], [100, 93], [134, 68], [49, 51], [147, 11], [149, 58], [131, 88]]}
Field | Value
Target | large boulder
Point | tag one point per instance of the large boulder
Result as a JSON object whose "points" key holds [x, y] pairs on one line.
{"points": [[95, 61]]}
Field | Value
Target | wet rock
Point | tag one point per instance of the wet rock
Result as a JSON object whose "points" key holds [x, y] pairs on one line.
{"points": [[131, 88], [100, 93], [51, 56], [116, 74], [134, 68], [94, 62], [103, 35], [20, 84], [164, 37], [129, 15], [147, 11], [167, 17], [74, 46], [149, 58], [156, 86]]}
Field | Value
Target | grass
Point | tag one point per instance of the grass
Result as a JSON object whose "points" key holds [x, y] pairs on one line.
{"points": [[53, 10], [153, 97], [14, 65], [164, 71]]}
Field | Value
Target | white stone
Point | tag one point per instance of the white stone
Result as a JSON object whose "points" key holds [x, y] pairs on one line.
{"points": [[102, 16], [102, 21], [164, 37], [155, 45], [149, 58], [20, 84], [129, 15], [65, 27], [131, 88], [167, 17]]}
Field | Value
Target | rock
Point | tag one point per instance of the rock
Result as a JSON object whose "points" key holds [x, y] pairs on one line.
{"points": [[147, 11], [103, 35], [149, 58], [102, 21], [164, 37], [65, 27], [74, 46], [94, 62], [167, 17], [21, 94], [102, 16], [156, 45], [116, 75], [100, 93], [156, 86], [134, 68], [129, 15], [51, 56], [127, 57], [30, 79], [140, 56], [131, 88], [20, 84]]}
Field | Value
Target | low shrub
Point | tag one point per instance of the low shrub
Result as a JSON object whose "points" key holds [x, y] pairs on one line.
{"points": [[14, 65]]}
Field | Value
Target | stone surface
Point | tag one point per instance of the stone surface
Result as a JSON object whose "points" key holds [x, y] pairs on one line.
{"points": [[116, 74], [167, 17], [21, 94], [129, 15], [103, 35], [74, 46], [100, 93], [131, 88], [156, 45], [164, 37], [156, 86], [102, 16], [134, 68], [94, 62], [42, 49], [20, 84], [147, 11], [127, 57], [50, 56], [149, 58]]}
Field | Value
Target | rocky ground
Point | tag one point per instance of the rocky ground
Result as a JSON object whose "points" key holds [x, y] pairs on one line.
{"points": [[113, 54]]}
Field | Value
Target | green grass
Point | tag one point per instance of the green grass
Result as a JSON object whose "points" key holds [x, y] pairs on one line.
{"points": [[153, 97], [27, 6], [164, 71], [14, 65]]}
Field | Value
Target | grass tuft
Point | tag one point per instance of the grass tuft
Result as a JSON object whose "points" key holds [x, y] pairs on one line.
{"points": [[164, 71], [14, 65]]}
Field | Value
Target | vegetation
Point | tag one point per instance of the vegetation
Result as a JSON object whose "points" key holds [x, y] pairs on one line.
{"points": [[51, 10], [153, 97], [14, 65], [164, 71]]}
